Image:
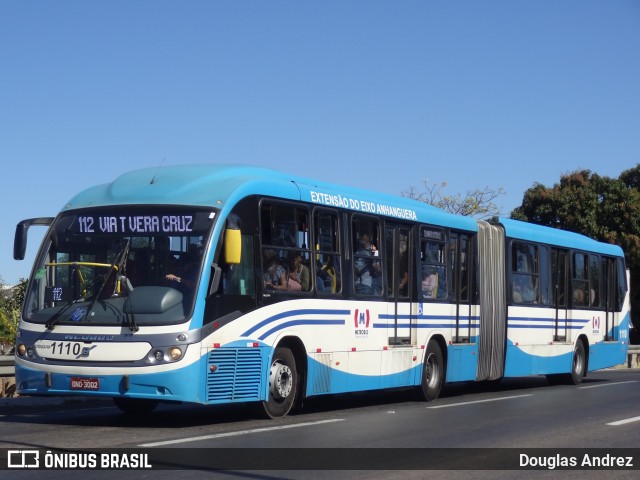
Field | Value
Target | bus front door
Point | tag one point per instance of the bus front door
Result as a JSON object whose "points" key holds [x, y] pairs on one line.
{"points": [[398, 364], [399, 270]]}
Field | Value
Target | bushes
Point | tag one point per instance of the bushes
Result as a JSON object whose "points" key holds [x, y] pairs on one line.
{"points": [[11, 300]]}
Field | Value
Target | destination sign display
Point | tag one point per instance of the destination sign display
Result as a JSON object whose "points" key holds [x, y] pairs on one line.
{"points": [[141, 223], [132, 224]]}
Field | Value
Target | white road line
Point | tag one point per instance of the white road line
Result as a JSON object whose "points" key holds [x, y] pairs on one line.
{"points": [[625, 421], [608, 384], [241, 432], [481, 401]]}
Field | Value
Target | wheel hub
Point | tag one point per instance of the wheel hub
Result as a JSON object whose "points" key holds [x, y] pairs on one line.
{"points": [[280, 380]]}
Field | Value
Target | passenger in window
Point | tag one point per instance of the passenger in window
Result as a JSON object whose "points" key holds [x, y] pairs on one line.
{"points": [[362, 266], [275, 275], [323, 280], [403, 287], [523, 291], [376, 277], [330, 271], [299, 272], [579, 297], [429, 281]]}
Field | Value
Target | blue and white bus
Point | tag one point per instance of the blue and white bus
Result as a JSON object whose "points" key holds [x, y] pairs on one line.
{"points": [[214, 284]]}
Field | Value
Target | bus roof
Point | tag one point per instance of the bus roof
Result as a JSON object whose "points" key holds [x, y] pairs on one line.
{"points": [[221, 186], [556, 237]]}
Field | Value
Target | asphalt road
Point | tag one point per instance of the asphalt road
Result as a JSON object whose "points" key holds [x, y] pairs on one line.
{"points": [[515, 416]]}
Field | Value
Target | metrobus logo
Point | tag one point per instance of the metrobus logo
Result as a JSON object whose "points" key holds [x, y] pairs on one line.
{"points": [[361, 322], [361, 319]]}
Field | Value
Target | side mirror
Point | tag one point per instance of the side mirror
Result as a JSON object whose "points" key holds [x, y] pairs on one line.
{"points": [[216, 276], [232, 246], [20, 239]]}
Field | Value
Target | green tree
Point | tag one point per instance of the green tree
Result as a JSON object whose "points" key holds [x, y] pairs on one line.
{"points": [[10, 305], [603, 208]]}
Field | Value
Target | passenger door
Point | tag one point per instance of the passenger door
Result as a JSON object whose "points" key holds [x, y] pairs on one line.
{"points": [[560, 275], [399, 267]]}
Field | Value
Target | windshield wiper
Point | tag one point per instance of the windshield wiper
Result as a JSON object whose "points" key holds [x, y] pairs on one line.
{"points": [[131, 321], [56, 317], [118, 267]]}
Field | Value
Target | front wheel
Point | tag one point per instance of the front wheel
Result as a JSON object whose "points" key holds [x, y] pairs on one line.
{"points": [[283, 384], [432, 372]]}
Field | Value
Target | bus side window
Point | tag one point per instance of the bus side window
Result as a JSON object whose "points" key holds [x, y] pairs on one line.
{"points": [[525, 273], [327, 258], [594, 281], [580, 280], [433, 268], [367, 264], [285, 248]]}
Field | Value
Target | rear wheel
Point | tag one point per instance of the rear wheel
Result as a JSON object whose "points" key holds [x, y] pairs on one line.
{"points": [[283, 384], [578, 368], [578, 365], [432, 372], [135, 406]]}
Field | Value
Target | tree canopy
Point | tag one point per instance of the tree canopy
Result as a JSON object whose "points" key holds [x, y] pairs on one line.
{"points": [[479, 203]]}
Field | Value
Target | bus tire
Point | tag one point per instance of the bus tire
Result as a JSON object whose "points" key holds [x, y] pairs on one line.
{"points": [[135, 406], [578, 368], [578, 364], [283, 384], [432, 372]]}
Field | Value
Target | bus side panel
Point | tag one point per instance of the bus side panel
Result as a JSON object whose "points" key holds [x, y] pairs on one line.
{"points": [[609, 354], [462, 362], [604, 355], [326, 376], [537, 359]]}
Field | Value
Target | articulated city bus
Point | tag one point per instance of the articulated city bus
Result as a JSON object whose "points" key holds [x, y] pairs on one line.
{"points": [[214, 284]]}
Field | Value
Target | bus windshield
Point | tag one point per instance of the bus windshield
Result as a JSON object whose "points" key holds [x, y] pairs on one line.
{"points": [[125, 266]]}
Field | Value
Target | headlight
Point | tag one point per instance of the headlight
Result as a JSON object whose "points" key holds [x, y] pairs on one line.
{"points": [[175, 353], [164, 355]]}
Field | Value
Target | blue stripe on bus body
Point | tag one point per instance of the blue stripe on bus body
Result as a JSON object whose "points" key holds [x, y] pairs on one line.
{"points": [[387, 316], [418, 325], [300, 322], [291, 313], [570, 324], [549, 319], [549, 327]]}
